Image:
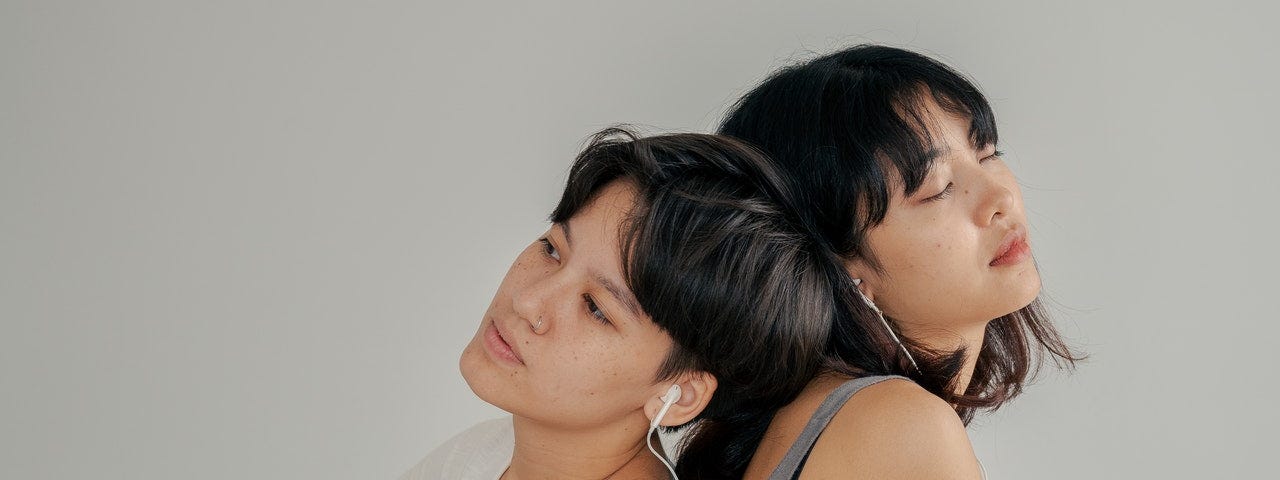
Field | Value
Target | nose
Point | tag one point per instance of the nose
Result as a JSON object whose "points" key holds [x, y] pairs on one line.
{"points": [[998, 200], [535, 304]]}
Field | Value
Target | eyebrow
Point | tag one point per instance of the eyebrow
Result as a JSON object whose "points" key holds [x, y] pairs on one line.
{"points": [[623, 295], [935, 154], [568, 235]]}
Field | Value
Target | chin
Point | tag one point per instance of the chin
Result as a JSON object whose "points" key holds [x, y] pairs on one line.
{"points": [[489, 381], [1024, 293], [472, 364]]}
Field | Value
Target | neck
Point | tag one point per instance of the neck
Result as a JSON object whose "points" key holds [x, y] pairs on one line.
{"points": [[970, 338], [618, 450], [973, 347]]}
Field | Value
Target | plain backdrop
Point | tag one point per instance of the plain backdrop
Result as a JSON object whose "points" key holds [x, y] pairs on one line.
{"points": [[248, 239]]}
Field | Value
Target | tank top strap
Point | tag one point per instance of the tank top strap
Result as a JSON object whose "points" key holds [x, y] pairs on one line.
{"points": [[793, 461]]}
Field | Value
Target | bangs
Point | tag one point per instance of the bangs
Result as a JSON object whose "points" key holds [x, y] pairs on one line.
{"points": [[892, 123], [853, 128]]}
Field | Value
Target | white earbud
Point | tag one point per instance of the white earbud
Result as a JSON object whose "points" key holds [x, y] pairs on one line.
{"points": [[672, 396]]}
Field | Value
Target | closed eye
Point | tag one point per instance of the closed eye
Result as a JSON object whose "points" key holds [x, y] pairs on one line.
{"points": [[995, 155], [946, 192]]}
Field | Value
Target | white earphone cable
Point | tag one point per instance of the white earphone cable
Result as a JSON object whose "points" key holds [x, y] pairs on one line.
{"points": [[648, 440], [894, 336]]}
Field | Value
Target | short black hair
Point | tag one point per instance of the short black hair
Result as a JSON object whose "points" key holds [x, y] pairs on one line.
{"points": [[715, 255]]}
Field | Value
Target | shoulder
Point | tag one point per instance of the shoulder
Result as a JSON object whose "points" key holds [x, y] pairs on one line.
{"points": [[894, 429], [480, 452]]}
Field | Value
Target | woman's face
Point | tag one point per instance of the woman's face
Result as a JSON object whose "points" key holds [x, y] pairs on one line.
{"points": [[955, 253], [564, 341]]}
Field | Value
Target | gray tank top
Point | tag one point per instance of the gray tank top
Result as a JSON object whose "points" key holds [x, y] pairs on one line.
{"points": [[793, 461]]}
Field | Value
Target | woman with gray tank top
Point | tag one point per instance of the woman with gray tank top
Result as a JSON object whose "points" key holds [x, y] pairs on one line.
{"points": [[895, 156]]}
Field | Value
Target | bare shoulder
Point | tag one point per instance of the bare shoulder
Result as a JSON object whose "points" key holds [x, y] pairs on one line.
{"points": [[894, 430]]}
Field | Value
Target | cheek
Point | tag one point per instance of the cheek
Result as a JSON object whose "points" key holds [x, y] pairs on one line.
{"points": [[948, 261], [594, 382], [624, 361], [926, 267], [595, 367], [925, 253]]}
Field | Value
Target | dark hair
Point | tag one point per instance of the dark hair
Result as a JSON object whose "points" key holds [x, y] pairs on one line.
{"points": [[845, 128], [714, 255]]}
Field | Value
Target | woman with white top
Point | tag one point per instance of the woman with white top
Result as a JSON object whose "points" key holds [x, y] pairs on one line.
{"points": [[674, 283]]}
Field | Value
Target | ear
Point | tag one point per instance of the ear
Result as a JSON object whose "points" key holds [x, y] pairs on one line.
{"points": [[696, 389], [864, 276]]}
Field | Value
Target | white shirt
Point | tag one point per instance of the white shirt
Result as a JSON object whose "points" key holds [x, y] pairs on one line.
{"points": [[481, 452]]}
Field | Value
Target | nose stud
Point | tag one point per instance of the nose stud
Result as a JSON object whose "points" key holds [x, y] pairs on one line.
{"points": [[537, 327]]}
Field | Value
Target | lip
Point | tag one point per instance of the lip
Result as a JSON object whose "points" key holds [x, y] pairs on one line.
{"points": [[496, 344], [1013, 248]]}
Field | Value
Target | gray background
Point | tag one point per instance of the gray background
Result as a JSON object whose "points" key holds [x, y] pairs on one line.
{"points": [[248, 239]]}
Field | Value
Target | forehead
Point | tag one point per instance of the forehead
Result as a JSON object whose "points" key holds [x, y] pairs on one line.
{"points": [[597, 226], [595, 235], [944, 130]]}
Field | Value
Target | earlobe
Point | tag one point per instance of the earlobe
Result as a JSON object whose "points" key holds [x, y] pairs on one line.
{"points": [[865, 289], [696, 390], [857, 270]]}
